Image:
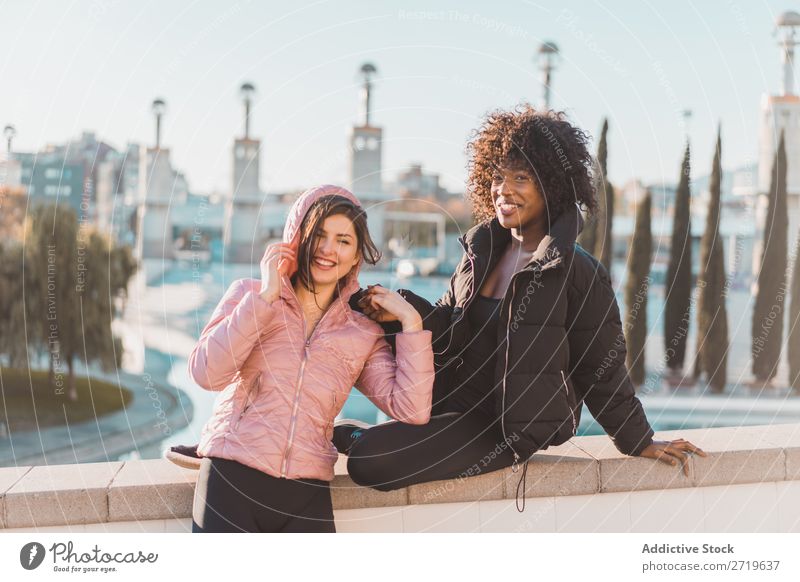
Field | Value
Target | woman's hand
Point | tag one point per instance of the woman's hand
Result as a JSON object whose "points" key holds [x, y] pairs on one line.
{"points": [[382, 305], [671, 452], [371, 309], [274, 265]]}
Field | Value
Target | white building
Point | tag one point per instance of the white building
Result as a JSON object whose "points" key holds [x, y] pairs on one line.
{"points": [[366, 155], [160, 187], [780, 113]]}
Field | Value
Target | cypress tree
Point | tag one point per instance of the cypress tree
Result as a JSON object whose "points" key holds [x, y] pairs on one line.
{"points": [[123, 268], [679, 273], [604, 248], [636, 289], [712, 316], [605, 198], [793, 340], [588, 236], [768, 311]]}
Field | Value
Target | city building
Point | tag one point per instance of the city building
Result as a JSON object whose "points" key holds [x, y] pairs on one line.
{"points": [[249, 213], [62, 173], [160, 187], [118, 194], [780, 114], [366, 155]]}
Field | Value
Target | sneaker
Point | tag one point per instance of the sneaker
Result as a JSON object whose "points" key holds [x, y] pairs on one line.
{"points": [[184, 456], [345, 433]]}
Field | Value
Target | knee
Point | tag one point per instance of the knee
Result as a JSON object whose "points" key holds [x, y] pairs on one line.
{"points": [[371, 470]]}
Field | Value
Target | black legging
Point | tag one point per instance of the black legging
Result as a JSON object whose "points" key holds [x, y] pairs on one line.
{"points": [[231, 497], [452, 445]]}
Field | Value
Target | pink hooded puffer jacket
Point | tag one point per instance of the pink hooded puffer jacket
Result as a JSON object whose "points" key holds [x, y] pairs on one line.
{"points": [[279, 393]]}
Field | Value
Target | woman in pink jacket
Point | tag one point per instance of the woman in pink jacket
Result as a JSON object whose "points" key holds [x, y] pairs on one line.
{"points": [[284, 352]]}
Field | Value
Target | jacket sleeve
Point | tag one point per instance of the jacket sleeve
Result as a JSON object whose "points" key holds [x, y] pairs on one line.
{"points": [[229, 337], [599, 375], [437, 318], [401, 387]]}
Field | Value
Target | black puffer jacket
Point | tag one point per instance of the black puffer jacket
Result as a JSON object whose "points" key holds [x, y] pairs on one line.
{"points": [[565, 340]]}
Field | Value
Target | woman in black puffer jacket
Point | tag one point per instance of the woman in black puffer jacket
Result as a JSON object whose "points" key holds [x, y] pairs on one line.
{"points": [[529, 329]]}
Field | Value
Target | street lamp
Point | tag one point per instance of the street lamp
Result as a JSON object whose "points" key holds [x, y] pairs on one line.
{"points": [[247, 91], [159, 107], [9, 132], [368, 71], [787, 24], [547, 57]]}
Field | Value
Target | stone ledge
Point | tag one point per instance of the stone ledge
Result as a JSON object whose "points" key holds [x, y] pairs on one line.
{"points": [[158, 490], [60, 495]]}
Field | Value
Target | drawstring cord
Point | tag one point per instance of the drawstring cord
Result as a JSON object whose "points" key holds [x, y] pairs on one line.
{"points": [[522, 483]]}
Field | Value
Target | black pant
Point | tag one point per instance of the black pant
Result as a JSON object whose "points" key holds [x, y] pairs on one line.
{"points": [[231, 497], [452, 445]]}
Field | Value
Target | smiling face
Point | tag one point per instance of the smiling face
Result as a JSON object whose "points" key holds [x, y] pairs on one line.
{"points": [[335, 251], [516, 198]]}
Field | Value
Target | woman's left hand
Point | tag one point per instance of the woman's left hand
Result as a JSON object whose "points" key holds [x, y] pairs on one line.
{"points": [[381, 304], [671, 452]]}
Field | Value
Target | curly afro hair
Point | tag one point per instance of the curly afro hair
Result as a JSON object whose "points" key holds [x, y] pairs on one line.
{"points": [[542, 142]]}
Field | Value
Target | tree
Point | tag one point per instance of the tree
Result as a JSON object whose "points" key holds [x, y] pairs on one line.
{"points": [[96, 300], [767, 322], [588, 236], [636, 289], [603, 248], [123, 268], [793, 341], [712, 316], [58, 292], [55, 262], [679, 273], [13, 337]]}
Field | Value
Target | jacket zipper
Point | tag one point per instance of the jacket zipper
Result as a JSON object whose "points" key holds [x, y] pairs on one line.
{"points": [[571, 411], [293, 421], [515, 465]]}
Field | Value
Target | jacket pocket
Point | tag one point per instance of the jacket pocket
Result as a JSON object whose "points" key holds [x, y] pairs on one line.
{"points": [[250, 394], [332, 420], [538, 407]]}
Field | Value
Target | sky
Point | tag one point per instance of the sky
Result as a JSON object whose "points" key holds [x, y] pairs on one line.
{"points": [[73, 66]]}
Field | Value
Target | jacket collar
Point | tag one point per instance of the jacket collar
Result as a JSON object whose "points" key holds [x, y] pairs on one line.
{"points": [[342, 301], [490, 238]]}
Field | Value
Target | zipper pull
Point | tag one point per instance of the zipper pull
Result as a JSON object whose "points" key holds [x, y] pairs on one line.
{"points": [[515, 464]]}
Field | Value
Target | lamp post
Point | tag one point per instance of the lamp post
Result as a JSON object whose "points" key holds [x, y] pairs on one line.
{"points": [[247, 91], [548, 58], [159, 107], [10, 132], [368, 71], [786, 28]]}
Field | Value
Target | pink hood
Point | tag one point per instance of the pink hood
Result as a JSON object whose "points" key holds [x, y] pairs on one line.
{"points": [[301, 206]]}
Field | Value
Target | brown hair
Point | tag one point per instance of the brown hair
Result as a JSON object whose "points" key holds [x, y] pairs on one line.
{"points": [[327, 206], [542, 142]]}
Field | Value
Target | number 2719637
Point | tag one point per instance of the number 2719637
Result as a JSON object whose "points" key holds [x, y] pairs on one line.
{"points": [[754, 564]]}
